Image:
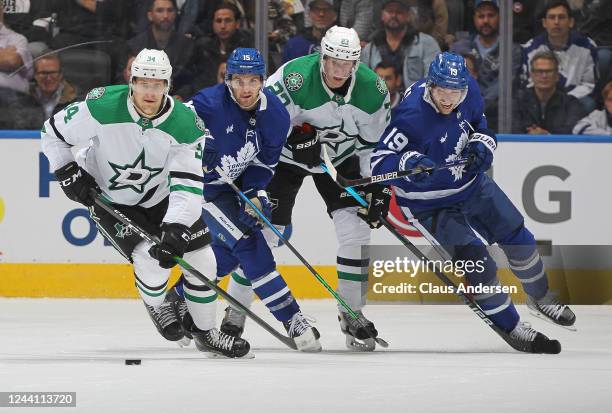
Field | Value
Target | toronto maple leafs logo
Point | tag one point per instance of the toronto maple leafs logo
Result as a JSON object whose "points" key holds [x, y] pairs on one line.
{"points": [[457, 171], [233, 167], [134, 176]]}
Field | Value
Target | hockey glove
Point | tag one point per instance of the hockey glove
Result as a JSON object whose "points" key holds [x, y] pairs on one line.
{"points": [[479, 151], [305, 145], [210, 157], [414, 160], [174, 241], [260, 199], [77, 183], [378, 198]]}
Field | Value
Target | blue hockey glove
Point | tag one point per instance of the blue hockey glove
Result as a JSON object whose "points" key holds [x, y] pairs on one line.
{"points": [[248, 216], [174, 241], [210, 158], [413, 160], [479, 151]]}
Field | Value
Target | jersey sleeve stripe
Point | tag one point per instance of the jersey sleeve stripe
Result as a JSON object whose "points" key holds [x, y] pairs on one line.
{"points": [[192, 189], [185, 175], [59, 135]]}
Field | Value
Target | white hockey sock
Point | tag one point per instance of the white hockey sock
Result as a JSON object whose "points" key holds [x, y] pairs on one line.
{"points": [[240, 288], [201, 300]]}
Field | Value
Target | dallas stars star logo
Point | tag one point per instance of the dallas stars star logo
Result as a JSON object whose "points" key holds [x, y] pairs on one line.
{"points": [[133, 176]]}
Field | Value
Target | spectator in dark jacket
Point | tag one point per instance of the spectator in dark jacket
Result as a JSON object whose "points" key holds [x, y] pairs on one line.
{"points": [[544, 109], [162, 35], [210, 51]]}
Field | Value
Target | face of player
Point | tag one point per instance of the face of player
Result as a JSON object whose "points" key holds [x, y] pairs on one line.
{"points": [[246, 90], [336, 71], [162, 15], [48, 75], [446, 100], [148, 95], [225, 24], [392, 80], [322, 14], [557, 22], [486, 20], [544, 74]]}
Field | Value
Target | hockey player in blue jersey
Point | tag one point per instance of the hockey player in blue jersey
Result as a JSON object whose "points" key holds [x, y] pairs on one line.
{"points": [[249, 126], [441, 119]]}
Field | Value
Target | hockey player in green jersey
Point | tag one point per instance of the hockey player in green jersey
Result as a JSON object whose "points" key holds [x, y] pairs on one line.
{"points": [[142, 151], [332, 100]]}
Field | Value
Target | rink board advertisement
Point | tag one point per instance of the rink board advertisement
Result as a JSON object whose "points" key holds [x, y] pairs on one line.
{"points": [[557, 186]]}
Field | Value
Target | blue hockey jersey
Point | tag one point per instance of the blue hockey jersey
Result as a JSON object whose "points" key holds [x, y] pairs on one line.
{"points": [[249, 143], [417, 126]]}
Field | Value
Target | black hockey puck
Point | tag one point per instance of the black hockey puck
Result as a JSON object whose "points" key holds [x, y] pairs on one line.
{"points": [[133, 362]]}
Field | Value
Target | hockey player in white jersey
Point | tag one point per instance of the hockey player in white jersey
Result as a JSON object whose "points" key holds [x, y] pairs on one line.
{"points": [[142, 152], [334, 100], [440, 119]]}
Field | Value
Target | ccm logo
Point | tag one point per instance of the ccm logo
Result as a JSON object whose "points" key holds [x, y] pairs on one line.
{"points": [[385, 177]]}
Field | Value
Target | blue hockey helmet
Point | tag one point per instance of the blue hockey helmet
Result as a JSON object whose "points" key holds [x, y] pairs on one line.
{"points": [[245, 61], [448, 70]]}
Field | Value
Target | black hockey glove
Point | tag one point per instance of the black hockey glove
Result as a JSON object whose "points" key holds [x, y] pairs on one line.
{"points": [[305, 145], [77, 183], [174, 241], [378, 198]]}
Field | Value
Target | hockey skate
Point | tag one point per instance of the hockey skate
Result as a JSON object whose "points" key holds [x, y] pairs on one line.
{"points": [[533, 341], [166, 321], [549, 308], [233, 322], [356, 332], [217, 344], [182, 314], [306, 337]]}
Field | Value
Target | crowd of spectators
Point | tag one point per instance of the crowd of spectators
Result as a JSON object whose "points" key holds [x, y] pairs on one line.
{"points": [[53, 51]]}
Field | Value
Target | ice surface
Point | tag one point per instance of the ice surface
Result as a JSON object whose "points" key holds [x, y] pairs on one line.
{"points": [[440, 359]]}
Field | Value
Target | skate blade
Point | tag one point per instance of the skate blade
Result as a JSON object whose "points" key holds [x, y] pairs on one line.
{"points": [[211, 355], [543, 317], [307, 342], [184, 342], [357, 345]]}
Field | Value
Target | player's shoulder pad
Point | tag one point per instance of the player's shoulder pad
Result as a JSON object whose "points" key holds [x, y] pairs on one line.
{"points": [[302, 80], [207, 101], [109, 104], [370, 91], [182, 124], [276, 114], [408, 115]]}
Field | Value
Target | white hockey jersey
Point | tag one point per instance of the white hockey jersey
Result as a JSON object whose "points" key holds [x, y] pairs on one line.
{"points": [[350, 124], [134, 160]]}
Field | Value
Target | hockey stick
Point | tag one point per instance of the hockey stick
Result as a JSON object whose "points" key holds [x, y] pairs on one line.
{"points": [[310, 268], [289, 342], [524, 346], [344, 182]]}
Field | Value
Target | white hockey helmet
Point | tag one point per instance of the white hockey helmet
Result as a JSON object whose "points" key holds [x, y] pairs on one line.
{"points": [[152, 64], [341, 43]]}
